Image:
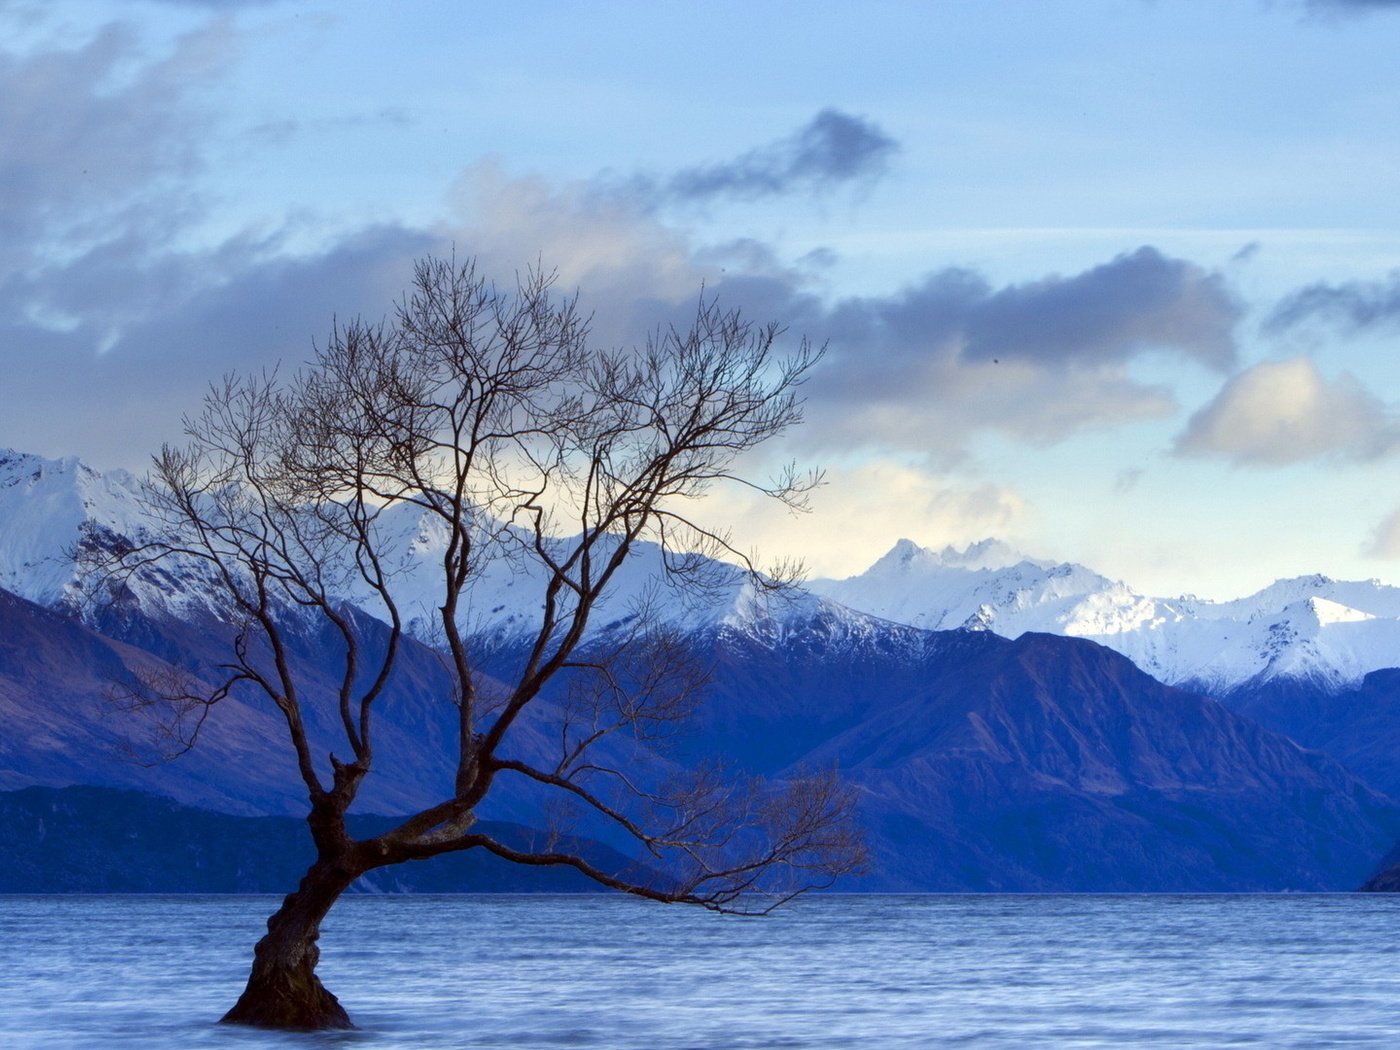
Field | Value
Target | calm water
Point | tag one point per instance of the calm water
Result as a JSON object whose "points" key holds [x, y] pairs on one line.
{"points": [[609, 972]]}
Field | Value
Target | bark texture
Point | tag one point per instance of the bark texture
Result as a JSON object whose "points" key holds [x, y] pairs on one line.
{"points": [[283, 990]]}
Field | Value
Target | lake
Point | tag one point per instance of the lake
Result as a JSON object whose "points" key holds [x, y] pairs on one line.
{"points": [[832, 971]]}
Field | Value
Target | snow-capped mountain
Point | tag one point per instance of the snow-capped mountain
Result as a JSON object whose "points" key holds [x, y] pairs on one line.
{"points": [[980, 762], [49, 509], [53, 510], [1328, 631]]}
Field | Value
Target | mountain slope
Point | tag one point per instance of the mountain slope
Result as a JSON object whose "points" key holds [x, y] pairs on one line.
{"points": [[1054, 757], [1042, 763], [104, 840]]}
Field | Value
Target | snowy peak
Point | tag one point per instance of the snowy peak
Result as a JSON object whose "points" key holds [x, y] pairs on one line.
{"points": [[988, 585], [51, 510], [505, 598], [48, 508], [906, 557], [1309, 627]]}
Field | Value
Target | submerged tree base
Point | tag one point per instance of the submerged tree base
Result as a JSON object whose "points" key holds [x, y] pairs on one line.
{"points": [[290, 1000]]}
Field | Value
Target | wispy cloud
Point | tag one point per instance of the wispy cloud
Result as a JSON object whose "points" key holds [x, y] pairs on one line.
{"points": [[1354, 305], [831, 150], [97, 138], [1384, 541], [1282, 412], [1352, 6]]}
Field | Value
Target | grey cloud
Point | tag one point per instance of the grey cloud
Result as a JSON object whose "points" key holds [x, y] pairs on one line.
{"points": [[248, 310], [952, 355], [1137, 302], [98, 138], [834, 148], [1354, 305], [1247, 252], [1128, 479]]}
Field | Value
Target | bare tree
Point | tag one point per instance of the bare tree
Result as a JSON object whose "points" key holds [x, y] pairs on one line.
{"points": [[489, 412]]}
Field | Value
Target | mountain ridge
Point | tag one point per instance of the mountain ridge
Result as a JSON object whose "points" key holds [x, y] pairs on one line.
{"points": [[1313, 628]]}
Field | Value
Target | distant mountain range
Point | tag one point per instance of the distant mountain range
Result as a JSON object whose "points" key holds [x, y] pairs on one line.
{"points": [[1323, 631], [1009, 724], [1327, 632]]}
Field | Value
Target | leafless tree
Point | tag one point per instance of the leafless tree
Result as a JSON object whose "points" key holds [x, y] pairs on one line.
{"points": [[489, 412]]}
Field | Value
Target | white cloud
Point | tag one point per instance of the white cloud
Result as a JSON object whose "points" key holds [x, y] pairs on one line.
{"points": [[1282, 412], [867, 508], [1385, 539]]}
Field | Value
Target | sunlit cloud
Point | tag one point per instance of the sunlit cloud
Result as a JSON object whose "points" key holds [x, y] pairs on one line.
{"points": [[1385, 538], [868, 508], [1282, 412]]}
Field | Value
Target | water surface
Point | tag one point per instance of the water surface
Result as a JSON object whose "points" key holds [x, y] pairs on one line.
{"points": [[610, 972]]}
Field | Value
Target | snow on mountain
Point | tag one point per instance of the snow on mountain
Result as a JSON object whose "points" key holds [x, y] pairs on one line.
{"points": [[1327, 631], [47, 509], [51, 509], [1312, 627], [506, 598]]}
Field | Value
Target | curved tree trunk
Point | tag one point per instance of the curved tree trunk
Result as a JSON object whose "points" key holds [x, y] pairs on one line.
{"points": [[283, 990]]}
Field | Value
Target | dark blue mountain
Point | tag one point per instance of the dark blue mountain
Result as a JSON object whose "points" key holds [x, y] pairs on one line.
{"points": [[1359, 726], [108, 840], [1043, 763]]}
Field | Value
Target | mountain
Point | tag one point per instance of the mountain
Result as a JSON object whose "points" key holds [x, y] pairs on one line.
{"points": [[1358, 725], [1040, 763], [1031, 762], [60, 688], [100, 840], [1310, 628]]}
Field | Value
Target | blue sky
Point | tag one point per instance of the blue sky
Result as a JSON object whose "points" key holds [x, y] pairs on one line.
{"points": [[1115, 280]]}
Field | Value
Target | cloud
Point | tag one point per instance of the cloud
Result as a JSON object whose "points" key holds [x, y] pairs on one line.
{"points": [[1128, 479], [1352, 6], [98, 139], [919, 370], [1139, 301], [831, 150], [1354, 305], [1385, 538], [1283, 412], [869, 507], [143, 325], [952, 355], [245, 307]]}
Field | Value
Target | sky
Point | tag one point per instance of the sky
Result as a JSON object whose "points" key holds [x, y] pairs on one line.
{"points": [[1116, 281]]}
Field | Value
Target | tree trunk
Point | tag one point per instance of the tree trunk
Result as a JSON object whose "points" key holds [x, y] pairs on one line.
{"points": [[283, 990]]}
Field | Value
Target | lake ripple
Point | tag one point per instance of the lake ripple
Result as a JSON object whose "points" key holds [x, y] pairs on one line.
{"points": [[828, 972]]}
